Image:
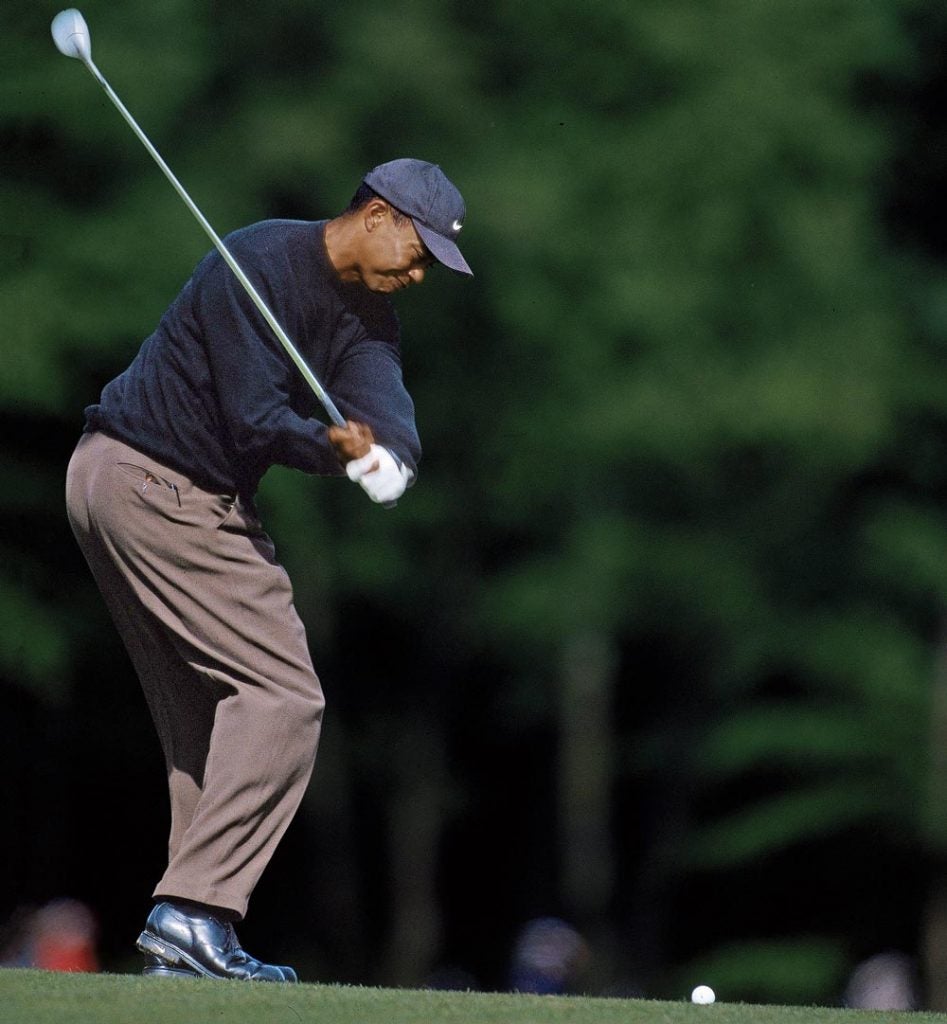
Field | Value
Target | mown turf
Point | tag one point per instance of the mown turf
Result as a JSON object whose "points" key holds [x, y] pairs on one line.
{"points": [[37, 997]]}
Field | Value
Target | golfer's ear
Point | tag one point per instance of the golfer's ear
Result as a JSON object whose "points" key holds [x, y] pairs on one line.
{"points": [[375, 212]]}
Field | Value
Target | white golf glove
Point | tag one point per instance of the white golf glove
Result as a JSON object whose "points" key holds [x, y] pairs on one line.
{"points": [[384, 484]]}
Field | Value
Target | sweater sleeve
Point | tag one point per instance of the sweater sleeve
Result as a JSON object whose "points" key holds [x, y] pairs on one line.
{"points": [[368, 386]]}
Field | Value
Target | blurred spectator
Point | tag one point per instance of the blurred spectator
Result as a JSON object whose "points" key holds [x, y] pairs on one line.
{"points": [[547, 957], [60, 936], [883, 982]]}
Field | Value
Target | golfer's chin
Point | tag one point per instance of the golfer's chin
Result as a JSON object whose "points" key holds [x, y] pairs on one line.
{"points": [[386, 285]]}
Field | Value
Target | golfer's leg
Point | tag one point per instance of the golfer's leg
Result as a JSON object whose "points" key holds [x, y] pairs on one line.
{"points": [[182, 705], [208, 583], [266, 730]]}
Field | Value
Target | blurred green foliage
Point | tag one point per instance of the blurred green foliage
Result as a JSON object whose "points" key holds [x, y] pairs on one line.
{"points": [[692, 401]]}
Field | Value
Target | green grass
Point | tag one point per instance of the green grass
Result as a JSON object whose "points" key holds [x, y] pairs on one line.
{"points": [[37, 997]]}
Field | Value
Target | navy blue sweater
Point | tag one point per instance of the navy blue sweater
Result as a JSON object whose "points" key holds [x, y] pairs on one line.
{"points": [[212, 393]]}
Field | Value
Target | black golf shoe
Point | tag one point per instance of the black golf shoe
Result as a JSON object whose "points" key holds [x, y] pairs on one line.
{"points": [[182, 943]]}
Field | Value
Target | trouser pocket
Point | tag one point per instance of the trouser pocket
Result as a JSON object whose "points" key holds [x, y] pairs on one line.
{"points": [[146, 478]]}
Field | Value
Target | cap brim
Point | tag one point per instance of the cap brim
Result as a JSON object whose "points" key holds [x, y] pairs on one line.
{"points": [[443, 249]]}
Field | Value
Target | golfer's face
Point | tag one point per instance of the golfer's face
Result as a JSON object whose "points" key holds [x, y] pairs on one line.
{"points": [[397, 257]]}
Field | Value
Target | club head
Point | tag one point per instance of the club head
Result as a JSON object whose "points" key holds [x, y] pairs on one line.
{"points": [[71, 35]]}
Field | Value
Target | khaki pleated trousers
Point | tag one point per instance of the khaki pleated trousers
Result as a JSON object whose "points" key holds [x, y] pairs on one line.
{"points": [[207, 616]]}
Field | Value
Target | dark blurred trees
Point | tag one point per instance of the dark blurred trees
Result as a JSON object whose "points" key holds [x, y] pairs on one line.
{"points": [[652, 643]]}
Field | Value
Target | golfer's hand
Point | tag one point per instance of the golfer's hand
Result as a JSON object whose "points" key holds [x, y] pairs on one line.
{"points": [[379, 475], [353, 441]]}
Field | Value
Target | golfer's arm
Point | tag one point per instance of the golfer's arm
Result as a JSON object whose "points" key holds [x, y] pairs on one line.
{"points": [[368, 387]]}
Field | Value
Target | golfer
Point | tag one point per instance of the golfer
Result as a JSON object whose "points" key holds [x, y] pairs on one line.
{"points": [[160, 495]]}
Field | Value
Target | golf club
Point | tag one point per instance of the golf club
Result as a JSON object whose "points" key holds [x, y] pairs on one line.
{"points": [[71, 36]]}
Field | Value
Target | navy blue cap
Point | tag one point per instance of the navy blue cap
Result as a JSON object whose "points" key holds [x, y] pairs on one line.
{"points": [[423, 192]]}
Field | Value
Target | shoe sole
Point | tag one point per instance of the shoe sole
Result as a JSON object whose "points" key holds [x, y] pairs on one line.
{"points": [[170, 956], [175, 961], [162, 970]]}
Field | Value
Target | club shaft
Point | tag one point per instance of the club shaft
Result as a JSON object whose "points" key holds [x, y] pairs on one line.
{"points": [[291, 350]]}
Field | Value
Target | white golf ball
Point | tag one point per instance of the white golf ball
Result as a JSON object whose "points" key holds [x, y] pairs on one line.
{"points": [[703, 995]]}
